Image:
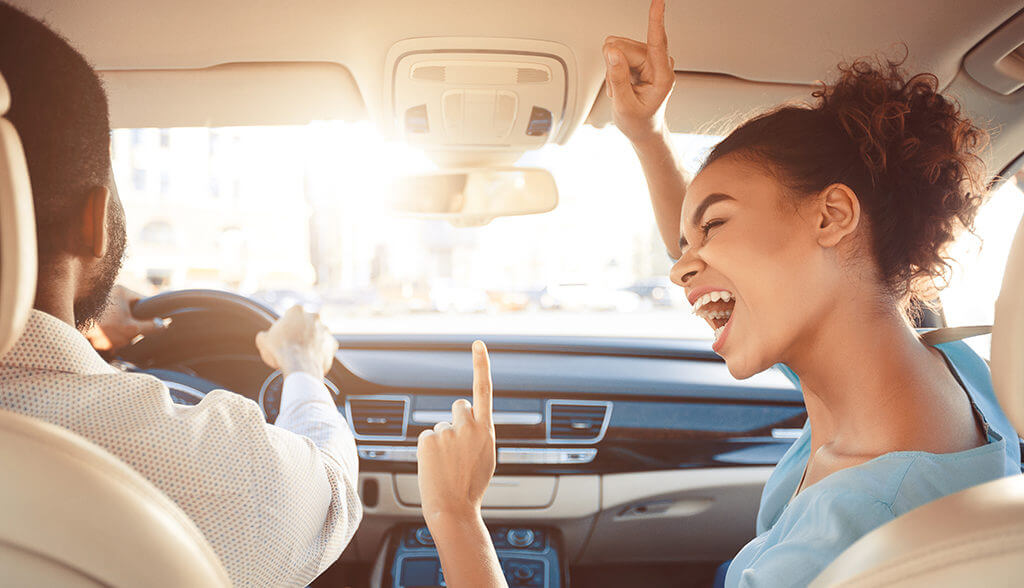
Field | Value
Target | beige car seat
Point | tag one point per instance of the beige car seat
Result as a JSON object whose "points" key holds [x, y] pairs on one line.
{"points": [[974, 537], [71, 514]]}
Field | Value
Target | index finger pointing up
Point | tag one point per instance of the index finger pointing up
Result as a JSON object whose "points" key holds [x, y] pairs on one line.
{"points": [[656, 35], [481, 384], [657, 43]]}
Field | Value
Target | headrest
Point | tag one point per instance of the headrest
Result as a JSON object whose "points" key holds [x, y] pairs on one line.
{"points": [[17, 232], [1008, 336], [5, 96]]}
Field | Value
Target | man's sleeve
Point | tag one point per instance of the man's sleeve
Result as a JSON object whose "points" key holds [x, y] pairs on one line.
{"points": [[308, 410]]}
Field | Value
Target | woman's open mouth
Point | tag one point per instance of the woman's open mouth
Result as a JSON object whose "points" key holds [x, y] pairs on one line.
{"points": [[716, 308]]}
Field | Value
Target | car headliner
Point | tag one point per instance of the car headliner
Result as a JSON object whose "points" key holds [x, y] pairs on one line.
{"points": [[296, 61]]}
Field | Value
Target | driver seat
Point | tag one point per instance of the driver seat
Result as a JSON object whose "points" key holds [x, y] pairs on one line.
{"points": [[976, 536], [72, 514]]}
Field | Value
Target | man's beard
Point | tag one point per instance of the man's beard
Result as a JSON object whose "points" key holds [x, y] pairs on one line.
{"points": [[101, 282]]}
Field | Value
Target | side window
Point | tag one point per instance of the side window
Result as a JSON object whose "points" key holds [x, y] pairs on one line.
{"points": [[978, 263]]}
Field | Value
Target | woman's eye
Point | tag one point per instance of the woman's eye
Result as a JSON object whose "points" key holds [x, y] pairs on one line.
{"points": [[706, 227]]}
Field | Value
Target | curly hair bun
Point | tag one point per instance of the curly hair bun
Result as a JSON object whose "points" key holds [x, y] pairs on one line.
{"points": [[907, 151]]}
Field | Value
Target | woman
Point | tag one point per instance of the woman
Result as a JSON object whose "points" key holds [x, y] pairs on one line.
{"points": [[803, 240]]}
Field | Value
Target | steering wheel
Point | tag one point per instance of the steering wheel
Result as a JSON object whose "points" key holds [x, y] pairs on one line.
{"points": [[205, 321]]}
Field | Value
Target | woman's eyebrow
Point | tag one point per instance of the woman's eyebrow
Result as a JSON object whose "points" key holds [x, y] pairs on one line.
{"points": [[703, 206], [701, 209]]}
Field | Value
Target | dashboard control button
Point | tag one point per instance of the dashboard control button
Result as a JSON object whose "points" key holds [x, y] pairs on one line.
{"points": [[522, 572], [519, 537], [423, 536]]}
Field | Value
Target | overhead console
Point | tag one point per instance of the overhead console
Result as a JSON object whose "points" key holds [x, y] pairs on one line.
{"points": [[507, 95]]}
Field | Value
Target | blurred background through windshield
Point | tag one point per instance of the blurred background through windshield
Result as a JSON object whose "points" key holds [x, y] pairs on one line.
{"points": [[297, 215]]}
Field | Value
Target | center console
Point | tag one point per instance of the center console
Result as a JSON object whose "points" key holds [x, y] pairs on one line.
{"points": [[529, 556]]}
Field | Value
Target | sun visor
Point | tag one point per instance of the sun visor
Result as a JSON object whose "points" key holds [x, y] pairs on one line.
{"points": [[233, 94], [711, 103], [464, 93]]}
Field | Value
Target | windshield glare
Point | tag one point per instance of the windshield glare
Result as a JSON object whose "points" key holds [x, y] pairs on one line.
{"points": [[297, 215]]}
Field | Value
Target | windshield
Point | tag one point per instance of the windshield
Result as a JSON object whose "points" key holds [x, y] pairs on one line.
{"points": [[291, 215], [296, 215]]}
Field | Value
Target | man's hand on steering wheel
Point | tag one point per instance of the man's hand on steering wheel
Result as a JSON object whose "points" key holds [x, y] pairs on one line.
{"points": [[298, 342], [117, 327]]}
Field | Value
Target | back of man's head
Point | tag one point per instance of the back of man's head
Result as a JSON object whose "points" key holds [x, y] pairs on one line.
{"points": [[59, 109]]}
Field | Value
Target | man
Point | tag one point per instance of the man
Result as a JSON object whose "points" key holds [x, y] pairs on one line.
{"points": [[277, 503]]}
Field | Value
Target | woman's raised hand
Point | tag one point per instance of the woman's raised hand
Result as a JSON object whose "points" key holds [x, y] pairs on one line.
{"points": [[456, 460], [639, 77]]}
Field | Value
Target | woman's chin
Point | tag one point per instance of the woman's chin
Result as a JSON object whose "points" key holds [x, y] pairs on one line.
{"points": [[739, 367], [737, 371]]}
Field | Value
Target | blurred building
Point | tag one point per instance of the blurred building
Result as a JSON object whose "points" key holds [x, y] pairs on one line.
{"points": [[214, 208]]}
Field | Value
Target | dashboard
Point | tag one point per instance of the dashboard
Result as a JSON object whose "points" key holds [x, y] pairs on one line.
{"points": [[598, 438], [562, 405]]}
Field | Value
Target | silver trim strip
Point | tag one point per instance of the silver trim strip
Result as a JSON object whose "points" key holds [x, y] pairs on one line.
{"points": [[392, 397], [387, 453], [597, 439], [544, 455], [787, 433], [432, 417]]}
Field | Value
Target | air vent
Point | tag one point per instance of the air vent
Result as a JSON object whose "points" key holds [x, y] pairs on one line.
{"points": [[378, 417], [577, 421]]}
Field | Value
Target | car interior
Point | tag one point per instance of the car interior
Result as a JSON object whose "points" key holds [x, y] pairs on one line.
{"points": [[621, 460]]}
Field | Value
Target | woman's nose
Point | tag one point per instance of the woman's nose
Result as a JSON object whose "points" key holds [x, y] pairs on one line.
{"points": [[685, 269]]}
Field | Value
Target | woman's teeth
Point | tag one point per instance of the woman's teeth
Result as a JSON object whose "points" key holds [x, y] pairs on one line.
{"points": [[716, 308], [723, 295]]}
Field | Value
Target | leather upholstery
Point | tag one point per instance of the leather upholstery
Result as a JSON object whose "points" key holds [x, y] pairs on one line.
{"points": [[1008, 335], [974, 537], [71, 512], [17, 232]]}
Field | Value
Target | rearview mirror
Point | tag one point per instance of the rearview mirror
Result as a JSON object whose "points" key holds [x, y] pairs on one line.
{"points": [[475, 197]]}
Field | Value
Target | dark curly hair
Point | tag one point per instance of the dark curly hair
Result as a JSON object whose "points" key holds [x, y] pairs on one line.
{"points": [[907, 151]]}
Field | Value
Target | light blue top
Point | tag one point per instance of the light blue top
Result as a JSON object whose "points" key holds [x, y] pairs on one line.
{"points": [[796, 540]]}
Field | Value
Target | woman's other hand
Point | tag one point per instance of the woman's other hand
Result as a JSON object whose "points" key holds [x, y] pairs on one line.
{"points": [[639, 78], [456, 460]]}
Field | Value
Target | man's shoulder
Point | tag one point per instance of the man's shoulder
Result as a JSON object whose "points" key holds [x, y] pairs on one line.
{"points": [[115, 397]]}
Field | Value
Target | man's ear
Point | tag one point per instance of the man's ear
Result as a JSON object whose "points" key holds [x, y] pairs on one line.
{"points": [[94, 221], [838, 214]]}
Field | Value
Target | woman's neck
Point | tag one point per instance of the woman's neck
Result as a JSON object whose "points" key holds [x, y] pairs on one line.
{"points": [[865, 376]]}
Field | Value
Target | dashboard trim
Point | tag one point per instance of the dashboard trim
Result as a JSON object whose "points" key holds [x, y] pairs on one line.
{"points": [[432, 417], [402, 453]]}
